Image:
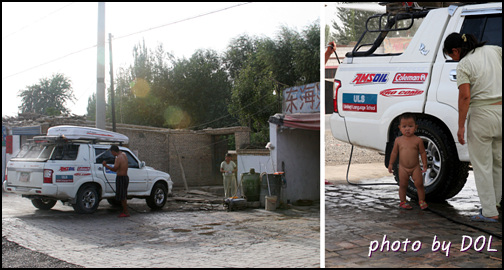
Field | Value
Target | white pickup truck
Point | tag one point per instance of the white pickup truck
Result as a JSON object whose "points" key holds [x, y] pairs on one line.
{"points": [[67, 165], [398, 66]]}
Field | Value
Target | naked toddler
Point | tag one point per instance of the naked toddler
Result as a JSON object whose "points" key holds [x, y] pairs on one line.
{"points": [[409, 146]]}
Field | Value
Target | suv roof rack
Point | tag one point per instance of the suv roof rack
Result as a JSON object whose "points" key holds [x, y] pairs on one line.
{"points": [[62, 139], [396, 7], [88, 134]]}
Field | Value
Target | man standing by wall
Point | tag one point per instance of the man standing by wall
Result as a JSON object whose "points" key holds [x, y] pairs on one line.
{"points": [[228, 169]]}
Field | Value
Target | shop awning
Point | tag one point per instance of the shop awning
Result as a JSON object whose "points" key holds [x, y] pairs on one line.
{"points": [[309, 121]]}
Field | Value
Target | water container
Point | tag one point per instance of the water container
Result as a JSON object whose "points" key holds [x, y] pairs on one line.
{"points": [[251, 185], [275, 187]]}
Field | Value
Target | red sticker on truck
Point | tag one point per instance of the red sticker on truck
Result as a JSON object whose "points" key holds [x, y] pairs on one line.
{"points": [[410, 77], [401, 92], [367, 78]]}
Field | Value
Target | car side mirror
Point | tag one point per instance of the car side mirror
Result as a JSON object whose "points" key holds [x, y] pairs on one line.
{"points": [[142, 164]]}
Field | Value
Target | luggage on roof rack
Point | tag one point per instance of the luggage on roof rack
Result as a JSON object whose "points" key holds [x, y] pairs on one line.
{"points": [[87, 133]]}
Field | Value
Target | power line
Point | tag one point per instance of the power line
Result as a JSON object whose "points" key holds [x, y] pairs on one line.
{"points": [[36, 21], [81, 50], [229, 114], [183, 20], [54, 60], [211, 144]]}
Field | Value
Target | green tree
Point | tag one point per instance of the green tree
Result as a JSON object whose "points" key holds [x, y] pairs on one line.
{"points": [[198, 92], [48, 96], [353, 26], [264, 66]]}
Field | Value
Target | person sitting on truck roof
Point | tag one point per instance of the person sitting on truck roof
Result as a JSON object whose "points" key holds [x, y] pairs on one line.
{"points": [[479, 79]]}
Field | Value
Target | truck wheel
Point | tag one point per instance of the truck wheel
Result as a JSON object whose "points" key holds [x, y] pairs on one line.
{"points": [[43, 204], [445, 175], [157, 199], [87, 200]]}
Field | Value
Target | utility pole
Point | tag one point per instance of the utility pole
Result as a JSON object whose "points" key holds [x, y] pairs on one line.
{"points": [[112, 94], [100, 74]]}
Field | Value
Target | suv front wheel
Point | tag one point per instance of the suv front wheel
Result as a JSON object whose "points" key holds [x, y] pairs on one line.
{"points": [[157, 199]]}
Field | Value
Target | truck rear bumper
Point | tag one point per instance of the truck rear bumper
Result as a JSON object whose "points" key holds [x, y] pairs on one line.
{"points": [[338, 127], [46, 190]]}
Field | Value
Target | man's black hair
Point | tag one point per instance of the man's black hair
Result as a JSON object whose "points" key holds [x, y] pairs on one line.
{"points": [[114, 148]]}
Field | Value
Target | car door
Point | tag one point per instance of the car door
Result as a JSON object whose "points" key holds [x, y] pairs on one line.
{"points": [[485, 25], [107, 176], [138, 177]]}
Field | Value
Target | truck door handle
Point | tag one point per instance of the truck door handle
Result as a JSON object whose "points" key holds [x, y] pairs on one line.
{"points": [[453, 75]]}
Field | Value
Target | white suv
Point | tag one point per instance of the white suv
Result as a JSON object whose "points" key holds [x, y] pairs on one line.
{"points": [[398, 66], [67, 165]]}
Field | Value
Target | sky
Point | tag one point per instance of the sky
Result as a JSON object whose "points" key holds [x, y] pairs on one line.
{"points": [[42, 39]]}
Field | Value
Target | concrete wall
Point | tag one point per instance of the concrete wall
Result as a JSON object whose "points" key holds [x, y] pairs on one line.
{"points": [[259, 160], [299, 151]]}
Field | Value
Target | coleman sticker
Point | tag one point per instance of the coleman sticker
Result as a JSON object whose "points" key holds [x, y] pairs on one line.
{"points": [[64, 178], [83, 169], [366, 78], [401, 92], [360, 102], [410, 78]]}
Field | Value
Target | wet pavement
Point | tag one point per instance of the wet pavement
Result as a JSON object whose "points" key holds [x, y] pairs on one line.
{"points": [[182, 234], [364, 227]]}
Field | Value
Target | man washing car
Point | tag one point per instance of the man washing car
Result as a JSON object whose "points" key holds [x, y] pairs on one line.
{"points": [[122, 179]]}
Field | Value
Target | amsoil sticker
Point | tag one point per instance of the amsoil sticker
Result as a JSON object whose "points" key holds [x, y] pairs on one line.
{"points": [[64, 178], [360, 102], [367, 78], [401, 92], [410, 77]]}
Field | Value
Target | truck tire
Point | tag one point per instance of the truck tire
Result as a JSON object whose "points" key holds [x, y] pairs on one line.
{"points": [[87, 200], [44, 204], [445, 175], [157, 199]]}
